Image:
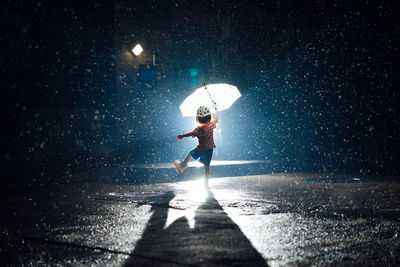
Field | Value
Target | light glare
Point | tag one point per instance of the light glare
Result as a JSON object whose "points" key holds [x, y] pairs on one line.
{"points": [[137, 50]]}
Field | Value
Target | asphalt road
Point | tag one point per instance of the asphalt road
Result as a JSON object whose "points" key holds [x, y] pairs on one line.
{"points": [[276, 219]]}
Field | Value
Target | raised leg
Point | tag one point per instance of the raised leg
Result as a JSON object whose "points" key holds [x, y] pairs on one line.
{"points": [[181, 166], [186, 161]]}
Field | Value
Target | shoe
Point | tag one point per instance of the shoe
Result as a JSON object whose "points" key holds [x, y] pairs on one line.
{"points": [[179, 166]]}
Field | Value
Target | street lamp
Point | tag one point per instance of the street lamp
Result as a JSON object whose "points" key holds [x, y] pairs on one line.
{"points": [[137, 50]]}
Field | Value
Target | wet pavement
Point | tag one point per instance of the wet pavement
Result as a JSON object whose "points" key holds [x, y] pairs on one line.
{"points": [[260, 220]]}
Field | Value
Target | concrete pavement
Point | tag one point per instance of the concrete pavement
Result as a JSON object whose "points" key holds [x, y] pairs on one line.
{"points": [[279, 219]]}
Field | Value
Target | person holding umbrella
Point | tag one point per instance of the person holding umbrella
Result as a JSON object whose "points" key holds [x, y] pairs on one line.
{"points": [[201, 103], [205, 134]]}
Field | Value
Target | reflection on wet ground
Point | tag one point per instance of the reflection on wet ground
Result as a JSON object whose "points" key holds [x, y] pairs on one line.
{"points": [[319, 223], [267, 219], [213, 240]]}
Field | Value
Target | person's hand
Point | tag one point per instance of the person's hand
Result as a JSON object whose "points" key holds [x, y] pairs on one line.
{"points": [[219, 131], [179, 137]]}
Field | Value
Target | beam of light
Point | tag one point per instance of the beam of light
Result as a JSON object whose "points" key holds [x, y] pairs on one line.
{"points": [[197, 164], [137, 50], [191, 195]]}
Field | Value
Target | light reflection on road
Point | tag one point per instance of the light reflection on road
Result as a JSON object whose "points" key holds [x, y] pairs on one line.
{"points": [[188, 197], [197, 164], [262, 230], [290, 221]]}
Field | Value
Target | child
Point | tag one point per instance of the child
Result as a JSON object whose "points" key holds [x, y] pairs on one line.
{"points": [[205, 133]]}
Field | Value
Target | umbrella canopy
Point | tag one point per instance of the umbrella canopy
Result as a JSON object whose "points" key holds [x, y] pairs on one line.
{"points": [[219, 95]]}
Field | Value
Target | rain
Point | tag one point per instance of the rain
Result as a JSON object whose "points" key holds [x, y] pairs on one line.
{"points": [[305, 168]]}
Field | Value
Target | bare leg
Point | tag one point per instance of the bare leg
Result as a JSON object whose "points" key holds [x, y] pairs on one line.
{"points": [[182, 165], [206, 174], [186, 161]]}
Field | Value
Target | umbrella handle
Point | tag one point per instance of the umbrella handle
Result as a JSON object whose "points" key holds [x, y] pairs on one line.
{"points": [[212, 100], [215, 107]]}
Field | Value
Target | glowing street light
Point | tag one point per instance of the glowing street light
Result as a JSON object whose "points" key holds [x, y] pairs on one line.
{"points": [[137, 50]]}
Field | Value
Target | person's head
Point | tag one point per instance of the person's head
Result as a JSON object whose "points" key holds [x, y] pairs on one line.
{"points": [[203, 115]]}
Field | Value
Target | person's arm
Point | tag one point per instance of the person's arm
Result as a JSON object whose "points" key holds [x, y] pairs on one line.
{"points": [[215, 117], [216, 123], [179, 137]]}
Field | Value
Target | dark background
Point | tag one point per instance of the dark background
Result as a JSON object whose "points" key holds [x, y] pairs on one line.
{"points": [[319, 81]]}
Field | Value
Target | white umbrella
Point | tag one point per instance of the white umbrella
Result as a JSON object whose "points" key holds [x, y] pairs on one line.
{"points": [[219, 95]]}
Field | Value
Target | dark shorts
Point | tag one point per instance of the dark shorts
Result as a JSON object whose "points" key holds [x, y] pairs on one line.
{"points": [[204, 156]]}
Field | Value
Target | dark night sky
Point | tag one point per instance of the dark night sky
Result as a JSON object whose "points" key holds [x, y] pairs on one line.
{"points": [[319, 82]]}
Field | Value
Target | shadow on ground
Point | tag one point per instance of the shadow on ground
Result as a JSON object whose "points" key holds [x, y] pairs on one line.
{"points": [[215, 239]]}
